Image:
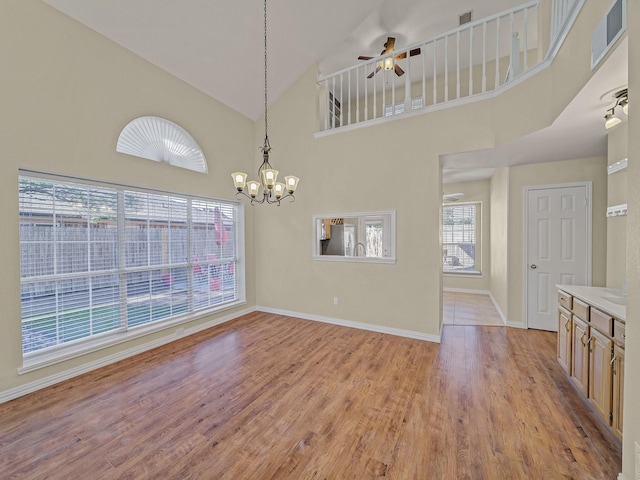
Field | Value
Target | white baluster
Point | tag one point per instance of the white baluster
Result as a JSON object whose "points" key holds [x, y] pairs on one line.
{"points": [[424, 74], [497, 53], [446, 68], [526, 39], [471, 61], [484, 57], [357, 95], [435, 76]]}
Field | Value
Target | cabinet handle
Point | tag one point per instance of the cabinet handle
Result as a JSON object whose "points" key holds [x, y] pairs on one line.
{"points": [[613, 360], [567, 327], [582, 339], [589, 343]]}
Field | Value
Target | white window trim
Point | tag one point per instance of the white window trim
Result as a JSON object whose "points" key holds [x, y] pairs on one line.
{"points": [[478, 243], [390, 235], [60, 353]]}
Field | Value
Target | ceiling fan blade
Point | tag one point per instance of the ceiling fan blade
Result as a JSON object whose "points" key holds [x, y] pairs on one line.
{"points": [[398, 70], [415, 51], [388, 47], [362, 57], [374, 72]]}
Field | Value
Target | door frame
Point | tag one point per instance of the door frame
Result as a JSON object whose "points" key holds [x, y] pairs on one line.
{"points": [[588, 223]]}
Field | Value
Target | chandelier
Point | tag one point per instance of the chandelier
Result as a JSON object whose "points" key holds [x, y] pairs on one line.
{"points": [[273, 192]]}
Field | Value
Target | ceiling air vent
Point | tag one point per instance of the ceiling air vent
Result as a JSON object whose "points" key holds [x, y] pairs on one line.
{"points": [[465, 18], [612, 25]]}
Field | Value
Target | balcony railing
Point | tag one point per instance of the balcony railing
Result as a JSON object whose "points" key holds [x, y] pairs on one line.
{"points": [[473, 60]]}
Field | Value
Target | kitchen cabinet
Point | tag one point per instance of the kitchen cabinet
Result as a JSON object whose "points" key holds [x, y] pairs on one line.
{"points": [[600, 372], [564, 339], [617, 406], [590, 348], [580, 354]]}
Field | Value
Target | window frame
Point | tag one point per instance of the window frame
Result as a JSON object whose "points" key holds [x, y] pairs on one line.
{"points": [[62, 351], [477, 270], [387, 218]]}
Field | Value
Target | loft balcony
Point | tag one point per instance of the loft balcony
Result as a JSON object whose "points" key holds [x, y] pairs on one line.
{"points": [[472, 62]]}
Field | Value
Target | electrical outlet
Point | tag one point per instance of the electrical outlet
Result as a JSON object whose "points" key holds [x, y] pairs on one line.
{"points": [[335, 300]]}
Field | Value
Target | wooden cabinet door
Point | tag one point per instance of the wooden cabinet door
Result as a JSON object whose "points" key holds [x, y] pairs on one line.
{"points": [[580, 354], [564, 340], [600, 373], [618, 391]]}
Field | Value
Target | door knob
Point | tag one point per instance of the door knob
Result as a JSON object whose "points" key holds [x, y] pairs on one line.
{"points": [[534, 266]]}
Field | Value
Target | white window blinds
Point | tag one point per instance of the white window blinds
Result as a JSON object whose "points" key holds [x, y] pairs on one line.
{"points": [[459, 230], [100, 259]]}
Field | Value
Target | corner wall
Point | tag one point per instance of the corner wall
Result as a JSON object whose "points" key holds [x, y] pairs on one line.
{"points": [[618, 142], [500, 238], [631, 420]]}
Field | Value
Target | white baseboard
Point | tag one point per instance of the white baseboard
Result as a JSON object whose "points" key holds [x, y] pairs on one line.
{"points": [[621, 477], [493, 300], [348, 323], [31, 387], [466, 290]]}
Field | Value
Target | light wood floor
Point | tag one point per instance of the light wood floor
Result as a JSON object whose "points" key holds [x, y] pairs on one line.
{"points": [[273, 397], [469, 309]]}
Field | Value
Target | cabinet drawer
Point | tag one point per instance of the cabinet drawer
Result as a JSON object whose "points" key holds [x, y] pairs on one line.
{"points": [[618, 332], [602, 322], [580, 309], [565, 300]]}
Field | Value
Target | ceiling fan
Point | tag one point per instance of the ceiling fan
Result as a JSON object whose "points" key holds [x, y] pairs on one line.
{"points": [[452, 197], [391, 62]]}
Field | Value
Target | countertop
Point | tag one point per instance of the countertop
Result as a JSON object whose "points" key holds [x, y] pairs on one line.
{"points": [[609, 300]]}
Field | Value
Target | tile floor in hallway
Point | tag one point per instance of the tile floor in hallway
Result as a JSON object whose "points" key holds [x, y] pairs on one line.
{"points": [[469, 309]]}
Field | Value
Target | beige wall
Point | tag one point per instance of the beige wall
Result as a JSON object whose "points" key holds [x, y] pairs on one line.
{"points": [[478, 191], [568, 171], [348, 172], [618, 141], [66, 95], [499, 233], [632, 386]]}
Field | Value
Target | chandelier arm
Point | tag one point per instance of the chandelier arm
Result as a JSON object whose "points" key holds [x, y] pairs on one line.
{"points": [[277, 201], [253, 200]]}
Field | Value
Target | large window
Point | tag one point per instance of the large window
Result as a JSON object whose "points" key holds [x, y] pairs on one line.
{"points": [[97, 261], [459, 238]]}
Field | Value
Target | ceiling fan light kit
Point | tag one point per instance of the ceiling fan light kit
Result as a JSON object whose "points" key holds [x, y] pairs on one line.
{"points": [[273, 192]]}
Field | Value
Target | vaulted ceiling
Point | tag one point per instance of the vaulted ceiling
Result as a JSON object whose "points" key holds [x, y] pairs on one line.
{"points": [[217, 46]]}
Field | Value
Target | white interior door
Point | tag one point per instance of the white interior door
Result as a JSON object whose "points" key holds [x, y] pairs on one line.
{"points": [[558, 249]]}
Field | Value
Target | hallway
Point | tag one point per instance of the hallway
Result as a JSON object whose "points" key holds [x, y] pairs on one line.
{"points": [[469, 309]]}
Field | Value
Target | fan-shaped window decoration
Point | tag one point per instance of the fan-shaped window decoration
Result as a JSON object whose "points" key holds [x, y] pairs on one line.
{"points": [[161, 140]]}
